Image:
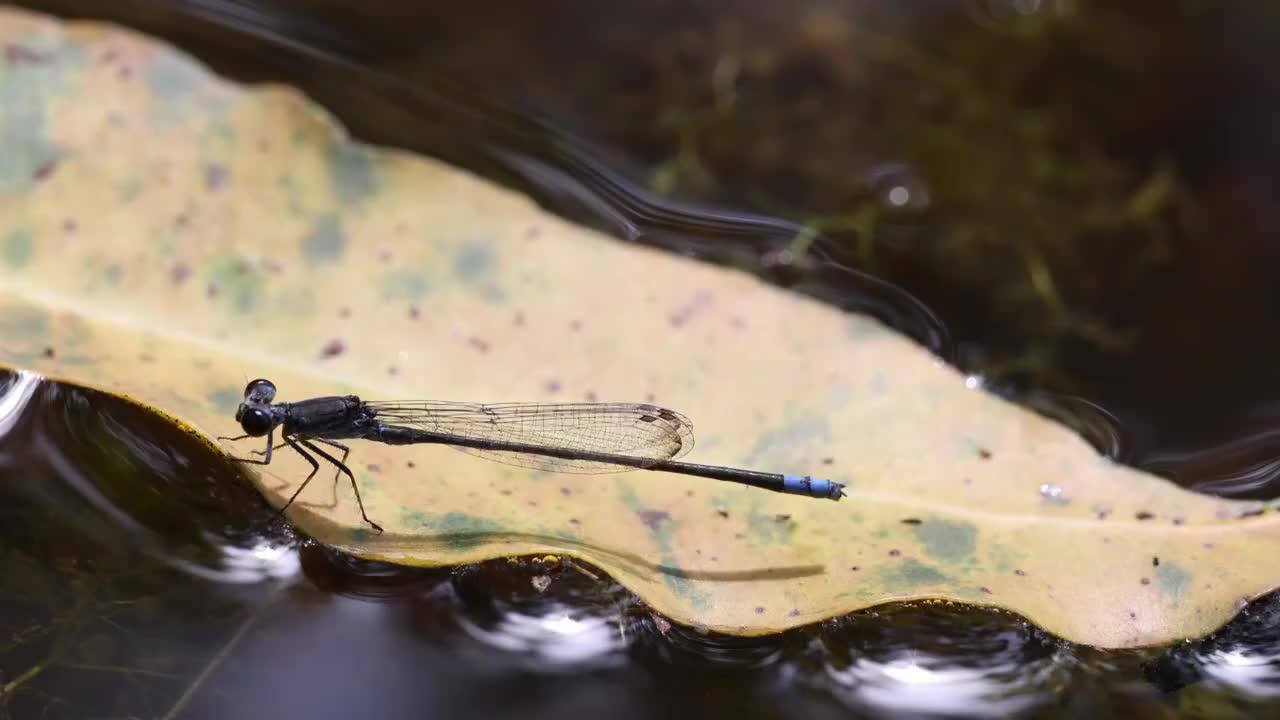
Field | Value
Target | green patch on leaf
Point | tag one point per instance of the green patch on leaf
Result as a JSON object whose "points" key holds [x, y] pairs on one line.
{"points": [[237, 282], [226, 399], [1171, 579], [910, 574], [403, 284], [354, 172], [17, 247], [458, 529], [947, 540], [326, 242]]}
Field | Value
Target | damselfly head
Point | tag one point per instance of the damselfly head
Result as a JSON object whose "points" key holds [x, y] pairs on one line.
{"points": [[254, 414]]}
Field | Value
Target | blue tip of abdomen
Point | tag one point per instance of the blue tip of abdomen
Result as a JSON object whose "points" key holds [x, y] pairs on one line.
{"points": [[812, 486]]}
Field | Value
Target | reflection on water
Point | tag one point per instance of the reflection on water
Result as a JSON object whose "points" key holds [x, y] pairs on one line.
{"points": [[1253, 671], [975, 664], [1247, 466], [548, 616], [1241, 660], [556, 638]]}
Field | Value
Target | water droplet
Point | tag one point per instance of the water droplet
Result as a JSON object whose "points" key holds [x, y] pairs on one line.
{"points": [[898, 187], [1054, 494]]}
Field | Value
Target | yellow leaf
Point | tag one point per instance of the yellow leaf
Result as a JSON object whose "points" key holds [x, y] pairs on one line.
{"points": [[166, 236]]}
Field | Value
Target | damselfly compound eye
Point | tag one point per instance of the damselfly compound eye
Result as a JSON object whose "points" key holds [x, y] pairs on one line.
{"points": [[255, 421], [260, 390]]}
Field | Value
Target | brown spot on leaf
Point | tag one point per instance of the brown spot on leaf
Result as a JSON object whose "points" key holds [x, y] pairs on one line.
{"points": [[45, 170], [1145, 581], [480, 344], [1020, 573], [984, 453], [984, 589], [1144, 515], [684, 313], [179, 273], [895, 552], [333, 348], [48, 352], [20, 55], [215, 177], [653, 519], [911, 521]]}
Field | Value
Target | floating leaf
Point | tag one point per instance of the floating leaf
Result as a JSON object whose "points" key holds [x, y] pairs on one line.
{"points": [[166, 236]]}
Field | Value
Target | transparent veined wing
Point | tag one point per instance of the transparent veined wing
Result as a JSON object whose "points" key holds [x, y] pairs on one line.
{"points": [[637, 430]]}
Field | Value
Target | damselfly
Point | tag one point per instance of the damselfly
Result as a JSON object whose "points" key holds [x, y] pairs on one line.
{"points": [[588, 438]]}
